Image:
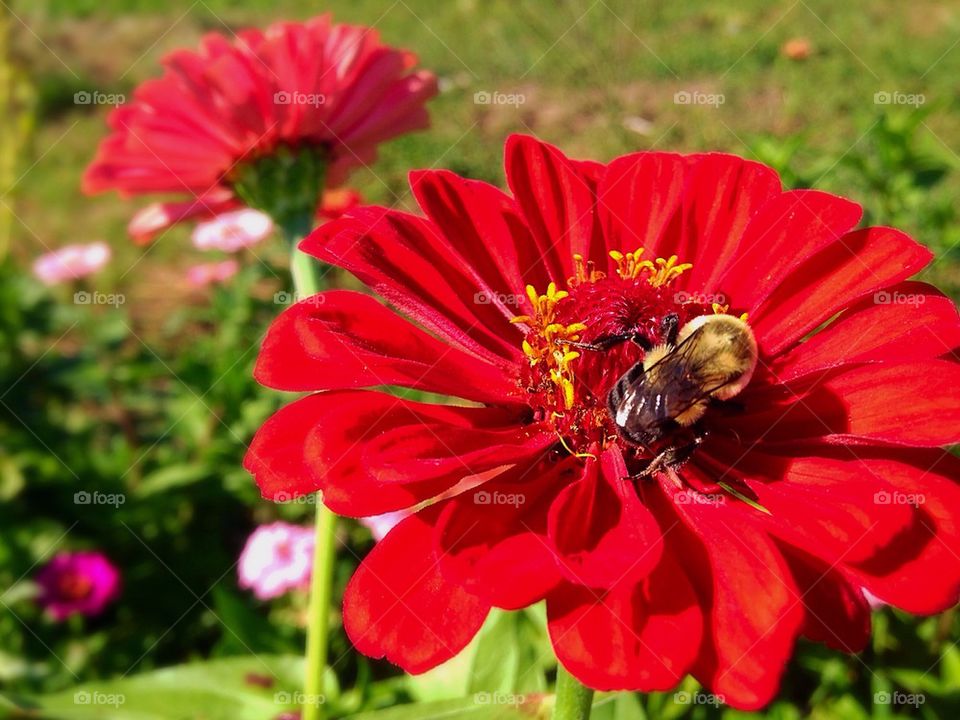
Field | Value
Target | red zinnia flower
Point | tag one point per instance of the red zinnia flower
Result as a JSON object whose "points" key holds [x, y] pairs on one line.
{"points": [[822, 477], [331, 90]]}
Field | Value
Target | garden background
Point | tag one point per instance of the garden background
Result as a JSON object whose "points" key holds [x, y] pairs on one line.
{"points": [[149, 400]]}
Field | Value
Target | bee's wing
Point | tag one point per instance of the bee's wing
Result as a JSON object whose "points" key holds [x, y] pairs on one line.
{"points": [[684, 370]]}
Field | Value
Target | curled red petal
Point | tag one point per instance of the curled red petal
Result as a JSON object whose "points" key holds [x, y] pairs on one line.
{"points": [[600, 530], [405, 260], [341, 339], [327, 442], [859, 263], [493, 539], [399, 606], [636, 636]]}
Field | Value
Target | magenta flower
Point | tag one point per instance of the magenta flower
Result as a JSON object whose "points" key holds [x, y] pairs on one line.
{"points": [[276, 559], [71, 262], [74, 583]]}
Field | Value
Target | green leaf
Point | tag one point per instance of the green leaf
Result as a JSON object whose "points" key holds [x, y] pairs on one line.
{"points": [[243, 688], [510, 656], [480, 707]]}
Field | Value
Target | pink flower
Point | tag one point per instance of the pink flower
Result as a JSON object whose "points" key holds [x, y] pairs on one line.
{"points": [[276, 559], [206, 274], [71, 262], [232, 231], [77, 583], [380, 525]]}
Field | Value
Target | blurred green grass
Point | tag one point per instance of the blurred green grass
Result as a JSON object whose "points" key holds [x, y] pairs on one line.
{"points": [[599, 79], [592, 74]]}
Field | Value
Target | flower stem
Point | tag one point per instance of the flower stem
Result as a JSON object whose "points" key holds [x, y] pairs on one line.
{"points": [[573, 701], [307, 281]]}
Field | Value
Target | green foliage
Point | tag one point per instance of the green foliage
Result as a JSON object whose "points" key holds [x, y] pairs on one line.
{"points": [[156, 407]]}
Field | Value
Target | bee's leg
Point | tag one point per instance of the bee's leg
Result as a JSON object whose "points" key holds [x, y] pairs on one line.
{"points": [[601, 344], [673, 457], [669, 327]]}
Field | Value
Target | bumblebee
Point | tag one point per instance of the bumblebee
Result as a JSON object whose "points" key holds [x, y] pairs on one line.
{"points": [[711, 358]]}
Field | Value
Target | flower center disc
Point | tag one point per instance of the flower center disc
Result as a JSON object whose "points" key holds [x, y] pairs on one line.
{"points": [[567, 383]]}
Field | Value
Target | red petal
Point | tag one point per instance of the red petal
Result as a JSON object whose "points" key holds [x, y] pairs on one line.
{"points": [[858, 264], [633, 637], [483, 225], [341, 339], [925, 327], [784, 232], [599, 528], [332, 442], [720, 195], [837, 614], [557, 197], [754, 605], [398, 605], [825, 506], [405, 260], [915, 404], [637, 197], [921, 571], [493, 539]]}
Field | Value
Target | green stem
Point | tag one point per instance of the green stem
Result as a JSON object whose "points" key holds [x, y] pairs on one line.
{"points": [[307, 281], [573, 701]]}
